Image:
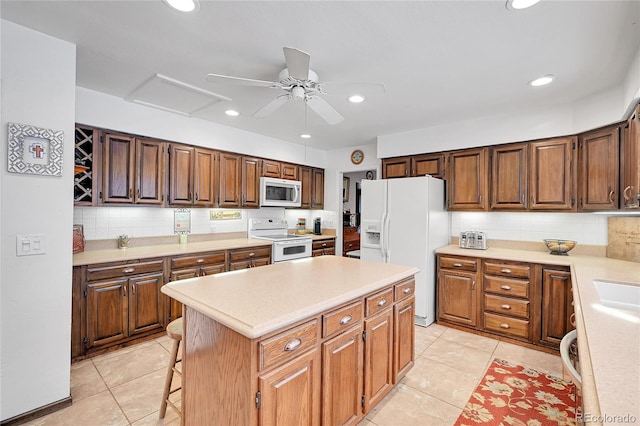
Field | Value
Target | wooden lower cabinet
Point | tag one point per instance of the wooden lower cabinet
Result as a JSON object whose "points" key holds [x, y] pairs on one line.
{"points": [[323, 247], [250, 257], [342, 389], [290, 395], [557, 305], [458, 290], [329, 369]]}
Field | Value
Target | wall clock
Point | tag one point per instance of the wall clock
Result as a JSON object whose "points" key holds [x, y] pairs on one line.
{"points": [[357, 156]]}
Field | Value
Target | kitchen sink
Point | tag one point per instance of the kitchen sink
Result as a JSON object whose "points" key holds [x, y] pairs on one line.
{"points": [[618, 295]]}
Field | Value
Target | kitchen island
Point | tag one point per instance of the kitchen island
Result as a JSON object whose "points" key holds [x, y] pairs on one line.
{"points": [[298, 342]]}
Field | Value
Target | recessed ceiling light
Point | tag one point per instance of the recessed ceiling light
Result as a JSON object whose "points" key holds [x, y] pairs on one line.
{"points": [[542, 81], [183, 5], [305, 136], [356, 99], [232, 113], [520, 4]]}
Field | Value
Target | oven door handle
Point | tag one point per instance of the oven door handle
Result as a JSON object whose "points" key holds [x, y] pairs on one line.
{"points": [[292, 242]]}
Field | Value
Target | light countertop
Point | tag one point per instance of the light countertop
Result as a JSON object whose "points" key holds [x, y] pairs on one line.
{"points": [[159, 250], [608, 338], [257, 301]]}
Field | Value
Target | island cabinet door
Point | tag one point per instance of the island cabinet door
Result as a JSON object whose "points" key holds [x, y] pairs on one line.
{"points": [[341, 378], [107, 312], [404, 338], [378, 358], [556, 306], [290, 395]]}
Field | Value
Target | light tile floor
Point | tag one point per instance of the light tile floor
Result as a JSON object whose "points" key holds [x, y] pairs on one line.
{"points": [[125, 387]]}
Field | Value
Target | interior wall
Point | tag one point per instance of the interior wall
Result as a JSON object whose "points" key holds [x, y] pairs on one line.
{"points": [[38, 88], [110, 112]]}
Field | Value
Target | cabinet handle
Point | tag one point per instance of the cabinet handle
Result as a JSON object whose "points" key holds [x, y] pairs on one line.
{"points": [[572, 319], [345, 319], [133, 290], [407, 290], [124, 291], [457, 265], [506, 271], [138, 193], [611, 196], [507, 307], [128, 270], [189, 194], [200, 261], [197, 197], [324, 244], [292, 344], [505, 287], [130, 192], [625, 193], [480, 200], [382, 302], [252, 254], [504, 325], [473, 285]]}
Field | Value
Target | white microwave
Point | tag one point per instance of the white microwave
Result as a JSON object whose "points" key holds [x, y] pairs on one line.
{"points": [[280, 192]]}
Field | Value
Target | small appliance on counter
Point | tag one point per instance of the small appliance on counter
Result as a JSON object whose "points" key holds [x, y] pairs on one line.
{"points": [[473, 240], [317, 226]]}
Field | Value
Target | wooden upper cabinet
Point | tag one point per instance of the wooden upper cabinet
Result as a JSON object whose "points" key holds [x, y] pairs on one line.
{"points": [[509, 177], [205, 173], [468, 179], [181, 168], [307, 182], [630, 163], [149, 172], [118, 168], [317, 192], [229, 182], [250, 180], [552, 174], [599, 169], [289, 171], [428, 164], [398, 167], [271, 168]]}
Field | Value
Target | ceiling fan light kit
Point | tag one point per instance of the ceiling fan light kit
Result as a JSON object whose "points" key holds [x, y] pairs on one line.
{"points": [[302, 83]]}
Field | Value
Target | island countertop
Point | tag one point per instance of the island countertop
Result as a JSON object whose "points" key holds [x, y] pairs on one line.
{"points": [[608, 338], [257, 301]]}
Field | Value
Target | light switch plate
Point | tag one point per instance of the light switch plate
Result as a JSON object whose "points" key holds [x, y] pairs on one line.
{"points": [[31, 244]]}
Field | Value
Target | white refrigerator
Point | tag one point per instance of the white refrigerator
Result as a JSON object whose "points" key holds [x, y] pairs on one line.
{"points": [[404, 221]]}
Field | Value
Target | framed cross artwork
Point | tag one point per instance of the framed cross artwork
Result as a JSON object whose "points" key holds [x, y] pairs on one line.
{"points": [[34, 150]]}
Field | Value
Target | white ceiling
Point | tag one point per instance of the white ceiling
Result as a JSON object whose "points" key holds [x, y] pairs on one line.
{"points": [[439, 60]]}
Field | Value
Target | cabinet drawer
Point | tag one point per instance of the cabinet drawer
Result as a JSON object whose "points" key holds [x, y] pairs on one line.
{"points": [[111, 270], [198, 260], [341, 319], [323, 244], [458, 263], [379, 301], [405, 289], [506, 286], [506, 306], [249, 253], [288, 344], [507, 270], [506, 325]]}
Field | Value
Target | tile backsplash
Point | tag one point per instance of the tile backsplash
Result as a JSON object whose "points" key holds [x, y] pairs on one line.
{"points": [[109, 222], [585, 228]]}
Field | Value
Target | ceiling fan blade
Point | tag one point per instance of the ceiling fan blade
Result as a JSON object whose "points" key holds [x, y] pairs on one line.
{"points": [[297, 63], [271, 106], [227, 79], [324, 110], [352, 88]]}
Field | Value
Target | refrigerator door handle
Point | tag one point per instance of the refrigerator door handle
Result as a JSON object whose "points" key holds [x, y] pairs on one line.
{"points": [[385, 231]]}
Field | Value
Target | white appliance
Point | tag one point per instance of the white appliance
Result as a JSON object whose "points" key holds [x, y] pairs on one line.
{"points": [[280, 192], [403, 222], [285, 246]]}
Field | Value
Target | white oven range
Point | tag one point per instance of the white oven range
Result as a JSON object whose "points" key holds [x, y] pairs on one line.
{"points": [[285, 246]]}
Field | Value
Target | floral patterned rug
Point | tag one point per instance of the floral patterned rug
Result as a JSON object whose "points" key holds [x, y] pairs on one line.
{"points": [[510, 394]]}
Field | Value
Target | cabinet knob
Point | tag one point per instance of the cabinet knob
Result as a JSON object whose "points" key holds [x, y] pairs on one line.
{"points": [[382, 302], [504, 325], [292, 344], [407, 290], [507, 307], [345, 319], [505, 287]]}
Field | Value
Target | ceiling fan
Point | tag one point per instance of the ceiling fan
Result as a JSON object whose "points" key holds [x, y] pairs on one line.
{"points": [[301, 83]]}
